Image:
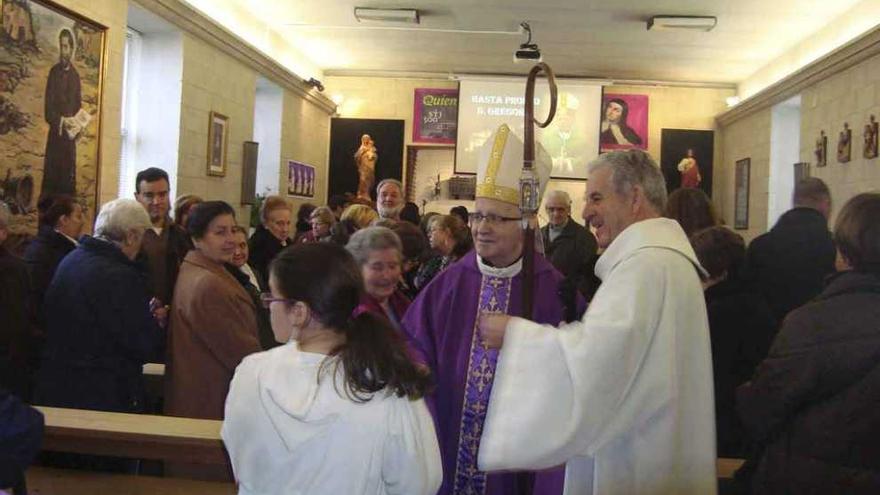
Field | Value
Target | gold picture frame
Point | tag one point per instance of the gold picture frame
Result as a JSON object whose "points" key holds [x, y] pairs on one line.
{"points": [[218, 141]]}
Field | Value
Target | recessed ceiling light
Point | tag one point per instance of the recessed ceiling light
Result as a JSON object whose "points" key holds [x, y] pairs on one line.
{"points": [[690, 22], [368, 14]]}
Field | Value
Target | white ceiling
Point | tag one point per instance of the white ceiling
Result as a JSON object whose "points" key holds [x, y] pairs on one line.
{"points": [[605, 39]]}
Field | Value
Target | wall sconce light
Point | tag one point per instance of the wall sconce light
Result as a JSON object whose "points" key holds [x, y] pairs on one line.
{"points": [[315, 84]]}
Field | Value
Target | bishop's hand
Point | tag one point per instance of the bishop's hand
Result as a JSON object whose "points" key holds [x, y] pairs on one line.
{"points": [[492, 328]]}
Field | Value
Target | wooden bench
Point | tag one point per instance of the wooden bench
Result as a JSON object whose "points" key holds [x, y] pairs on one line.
{"points": [[138, 436], [154, 369], [48, 481], [726, 467]]}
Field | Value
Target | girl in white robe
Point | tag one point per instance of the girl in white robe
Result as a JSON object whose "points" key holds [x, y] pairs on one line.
{"points": [[339, 408]]}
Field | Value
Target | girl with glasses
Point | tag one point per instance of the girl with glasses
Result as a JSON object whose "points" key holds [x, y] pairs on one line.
{"points": [[339, 408]]}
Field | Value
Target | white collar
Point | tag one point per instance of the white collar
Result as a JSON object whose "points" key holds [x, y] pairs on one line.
{"points": [[247, 270], [506, 272], [654, 232]]}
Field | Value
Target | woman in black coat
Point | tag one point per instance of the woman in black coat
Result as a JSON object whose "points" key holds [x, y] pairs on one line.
{"points": [[61, 223], [741, 326], [814, 401], [271, 236], [100, 328]]}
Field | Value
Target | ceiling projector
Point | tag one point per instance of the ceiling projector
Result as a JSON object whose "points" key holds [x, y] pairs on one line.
{"points": [[528, 51], [527, 55]]}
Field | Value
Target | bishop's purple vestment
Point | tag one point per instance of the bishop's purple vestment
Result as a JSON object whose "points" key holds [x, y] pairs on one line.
{"points": [[441, 324]]}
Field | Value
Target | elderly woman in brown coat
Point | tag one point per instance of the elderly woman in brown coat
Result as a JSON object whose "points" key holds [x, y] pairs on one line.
{"points": [[213, 323], [813, 401]]}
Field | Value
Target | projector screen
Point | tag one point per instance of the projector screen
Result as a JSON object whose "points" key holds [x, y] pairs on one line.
{"points": [[572, 139]]}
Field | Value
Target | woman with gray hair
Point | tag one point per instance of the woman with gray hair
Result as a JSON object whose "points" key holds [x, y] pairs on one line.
{"points": [[379, 253], [100, 329], [324, 228]]}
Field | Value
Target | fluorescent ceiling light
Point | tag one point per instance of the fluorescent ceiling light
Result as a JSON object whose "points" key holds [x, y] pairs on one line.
{"points": [[368, 14], [693, 22]]}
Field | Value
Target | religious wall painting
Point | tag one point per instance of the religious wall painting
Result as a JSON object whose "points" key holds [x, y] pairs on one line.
{"points": [[870, 139], [300, 179], [218, 139], [686, 158], [844, 144], [363, 152], [435, 116], [624, 122], [820, 150], [741, 194], [51, 74]]}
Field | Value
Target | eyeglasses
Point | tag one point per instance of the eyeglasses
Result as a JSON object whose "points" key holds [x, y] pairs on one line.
{"points": [[267, 299], [491, 218]]}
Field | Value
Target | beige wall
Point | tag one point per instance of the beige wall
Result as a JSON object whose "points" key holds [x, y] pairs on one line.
{"points": [[212, 81], [851, 96], [305, 137], [747, 138], [112, 14]]}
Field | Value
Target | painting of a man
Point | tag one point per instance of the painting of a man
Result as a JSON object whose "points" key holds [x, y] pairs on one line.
{"points": [[62, 102]]}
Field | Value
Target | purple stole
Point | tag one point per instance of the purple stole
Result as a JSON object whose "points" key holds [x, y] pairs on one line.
{"points": [[494, 298]]}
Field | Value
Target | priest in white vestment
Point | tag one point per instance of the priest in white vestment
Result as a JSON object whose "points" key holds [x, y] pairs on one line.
{"points": [[624, 397]]}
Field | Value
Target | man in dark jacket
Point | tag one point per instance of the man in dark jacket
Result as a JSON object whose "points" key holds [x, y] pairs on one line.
{"points": [[165, 244], [21, 433], [14, 288], [569, 246], [788, 264]]}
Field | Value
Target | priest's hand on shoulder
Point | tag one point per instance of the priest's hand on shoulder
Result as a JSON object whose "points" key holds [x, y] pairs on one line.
{"points": [[492, 329]]}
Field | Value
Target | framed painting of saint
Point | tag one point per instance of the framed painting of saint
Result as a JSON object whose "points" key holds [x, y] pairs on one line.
{"points": [[624, 122], [51, 75]]}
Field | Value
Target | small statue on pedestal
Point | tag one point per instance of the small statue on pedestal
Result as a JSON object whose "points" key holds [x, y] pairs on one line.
{"points": [[365, 161]]}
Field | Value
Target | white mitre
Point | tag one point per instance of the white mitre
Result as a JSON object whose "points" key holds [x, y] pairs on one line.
{"points": [[501, 164]]}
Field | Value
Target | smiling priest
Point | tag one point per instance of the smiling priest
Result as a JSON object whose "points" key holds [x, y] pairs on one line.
{"points": [[624, 396], [442, 323]]}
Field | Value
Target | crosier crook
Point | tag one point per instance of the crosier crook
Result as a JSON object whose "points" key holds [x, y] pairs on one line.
{"points": [[529, 184]]}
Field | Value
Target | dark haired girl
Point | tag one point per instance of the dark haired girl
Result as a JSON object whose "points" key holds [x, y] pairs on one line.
{"points": [[339, 408]]}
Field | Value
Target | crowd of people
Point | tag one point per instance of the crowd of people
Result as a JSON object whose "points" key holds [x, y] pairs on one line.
{"points": [[355, 348]]}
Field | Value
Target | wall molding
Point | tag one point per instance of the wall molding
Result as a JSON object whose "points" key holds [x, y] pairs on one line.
{"points": [[456, 76], [842, 58], [197, 24]]}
